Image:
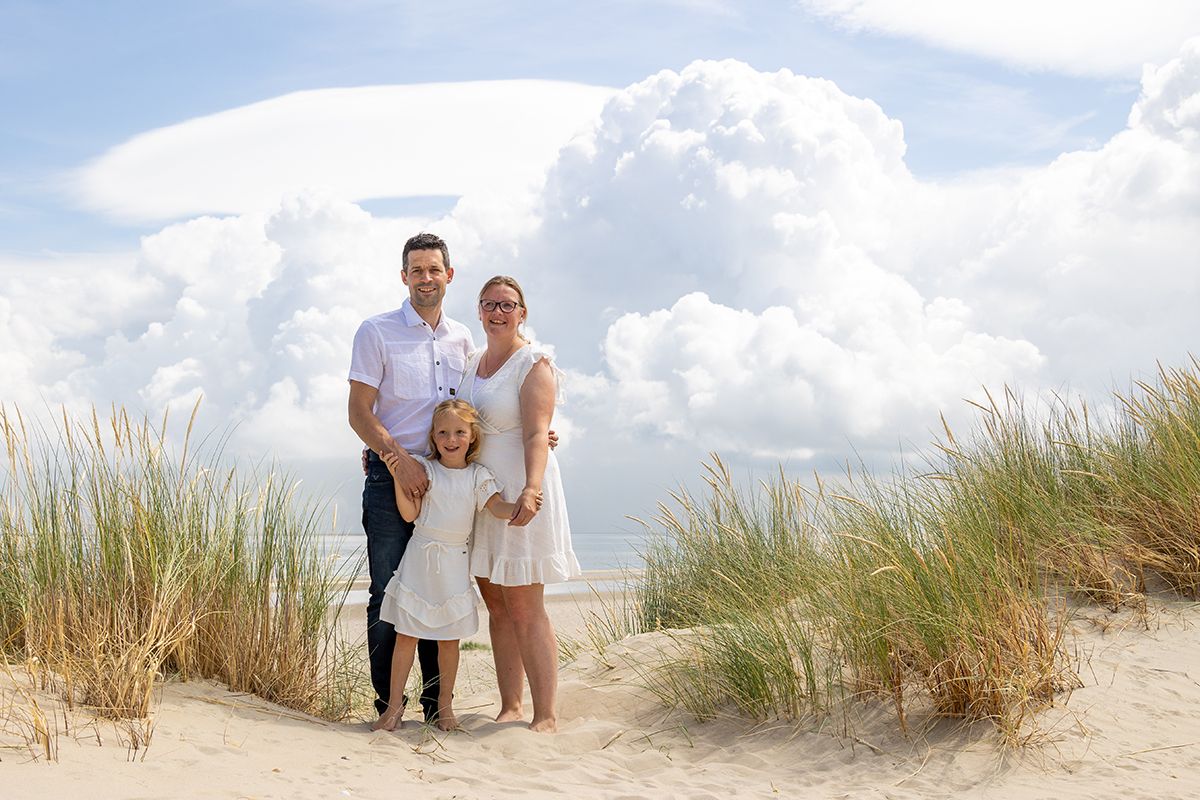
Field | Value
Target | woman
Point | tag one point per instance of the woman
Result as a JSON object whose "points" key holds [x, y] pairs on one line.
{"points": [[513, 385]]}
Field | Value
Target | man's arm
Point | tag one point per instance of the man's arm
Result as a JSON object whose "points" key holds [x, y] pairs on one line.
{"points": [[361, 411]]}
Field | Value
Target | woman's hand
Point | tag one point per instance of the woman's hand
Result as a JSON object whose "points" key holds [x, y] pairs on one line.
{"points": [[527, 506], [410, 478]]}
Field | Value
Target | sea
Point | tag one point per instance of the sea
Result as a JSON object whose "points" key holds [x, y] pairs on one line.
{"points": [[611, 554]]}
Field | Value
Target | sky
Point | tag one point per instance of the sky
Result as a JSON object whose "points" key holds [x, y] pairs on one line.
{"points": [[791, 233]]}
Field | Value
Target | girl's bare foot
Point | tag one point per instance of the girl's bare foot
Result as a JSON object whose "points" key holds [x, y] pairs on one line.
{"points": [[546, 725], [510, 714]]}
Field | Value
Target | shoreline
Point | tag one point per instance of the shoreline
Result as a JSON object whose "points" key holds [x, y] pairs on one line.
{"points": [[603, 583], [573, 605]]}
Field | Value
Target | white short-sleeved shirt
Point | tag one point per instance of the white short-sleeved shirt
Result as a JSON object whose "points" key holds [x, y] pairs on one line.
{"points": [[413, 366]]}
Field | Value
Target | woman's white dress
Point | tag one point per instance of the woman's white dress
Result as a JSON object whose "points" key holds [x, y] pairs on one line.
{"points": [[430, 596], [539, 552]]}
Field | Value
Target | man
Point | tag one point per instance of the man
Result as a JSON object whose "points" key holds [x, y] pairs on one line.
{"points": [[404, 363]]}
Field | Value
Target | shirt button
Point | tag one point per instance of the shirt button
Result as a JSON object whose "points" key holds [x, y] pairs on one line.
{"points": [[439, 388], [438, 363]]}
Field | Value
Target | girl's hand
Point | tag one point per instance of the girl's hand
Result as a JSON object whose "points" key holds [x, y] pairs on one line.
{"points": [[527, 505], [409, 476]]}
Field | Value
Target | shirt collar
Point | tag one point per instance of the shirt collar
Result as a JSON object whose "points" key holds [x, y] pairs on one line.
{"points": [[413, 319]]}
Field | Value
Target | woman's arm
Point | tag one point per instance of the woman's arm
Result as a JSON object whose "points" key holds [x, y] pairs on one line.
{"points": [[537, 409]]}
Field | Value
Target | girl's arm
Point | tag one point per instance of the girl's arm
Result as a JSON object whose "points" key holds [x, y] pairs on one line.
{"points": [[499, 508], [537, 409], [407, 504]]}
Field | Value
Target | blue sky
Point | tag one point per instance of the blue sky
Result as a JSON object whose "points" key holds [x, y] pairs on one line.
{"points": [[77, 78], [788, 232]]}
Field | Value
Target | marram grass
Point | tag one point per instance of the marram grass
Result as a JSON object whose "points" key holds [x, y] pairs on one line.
{"points": [[121, 563], [939, 590]]}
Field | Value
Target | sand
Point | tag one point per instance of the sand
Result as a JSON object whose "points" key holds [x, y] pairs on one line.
{"points": [[1132, 731]]}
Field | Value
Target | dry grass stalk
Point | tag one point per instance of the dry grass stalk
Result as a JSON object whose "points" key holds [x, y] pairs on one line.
{"points": [[931, 589], [120, 563]]}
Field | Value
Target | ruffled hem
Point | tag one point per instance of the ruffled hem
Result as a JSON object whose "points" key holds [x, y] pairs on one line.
{"points": [[503, 571], [399, 597], [406, 624]]}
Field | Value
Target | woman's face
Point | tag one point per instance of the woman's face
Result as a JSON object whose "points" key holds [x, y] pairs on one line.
{"points": [[498, 322]]}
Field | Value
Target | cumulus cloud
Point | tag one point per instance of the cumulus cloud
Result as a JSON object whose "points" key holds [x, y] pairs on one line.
{"points": [[361, 143], [721, 179], [727, 259], [775, 202], [752, 244], [775, 385], [1107, 38], [1094, 257]]}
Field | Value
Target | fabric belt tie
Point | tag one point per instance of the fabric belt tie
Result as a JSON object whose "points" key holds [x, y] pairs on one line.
{"points": [[433, 554]]}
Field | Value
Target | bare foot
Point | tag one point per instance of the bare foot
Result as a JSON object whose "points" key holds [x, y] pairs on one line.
{"points": [[510, 715], [388, 722], [446, 721], [547, 725]]}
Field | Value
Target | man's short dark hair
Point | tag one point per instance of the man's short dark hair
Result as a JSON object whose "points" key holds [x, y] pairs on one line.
{"points": [[425, 241]]}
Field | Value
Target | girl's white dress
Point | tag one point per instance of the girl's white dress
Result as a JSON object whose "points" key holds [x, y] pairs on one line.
{"points": [[430, 596], [539, 552]]}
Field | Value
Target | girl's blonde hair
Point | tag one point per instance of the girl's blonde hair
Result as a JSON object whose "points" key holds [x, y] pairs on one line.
{"points": [[467, 413]]}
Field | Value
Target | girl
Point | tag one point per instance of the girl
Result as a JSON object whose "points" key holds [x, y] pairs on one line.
{"points": [[430, 595]]}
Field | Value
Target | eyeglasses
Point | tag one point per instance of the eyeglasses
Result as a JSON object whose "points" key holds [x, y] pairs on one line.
{"points": [[507, 306]]}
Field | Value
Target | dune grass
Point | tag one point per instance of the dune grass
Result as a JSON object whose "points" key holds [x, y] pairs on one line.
{"points": [[122, 563], [939, 589]]}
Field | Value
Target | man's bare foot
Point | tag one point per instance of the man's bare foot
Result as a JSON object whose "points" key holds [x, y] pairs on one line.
{"points": [[547, 725], [510, 715]]}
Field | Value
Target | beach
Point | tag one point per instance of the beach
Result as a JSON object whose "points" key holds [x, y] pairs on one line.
{"points": [[1130, 731]]}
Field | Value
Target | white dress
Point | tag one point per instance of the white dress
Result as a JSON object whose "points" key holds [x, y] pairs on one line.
{"points": [[430, 596], [539, 552]]}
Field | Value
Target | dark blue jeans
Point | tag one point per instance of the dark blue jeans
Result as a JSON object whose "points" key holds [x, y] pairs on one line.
{"points": [[387, 536]]}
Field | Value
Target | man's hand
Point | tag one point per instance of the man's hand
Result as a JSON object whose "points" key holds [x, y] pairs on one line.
{"points": [[409, 476], [553, 437]]}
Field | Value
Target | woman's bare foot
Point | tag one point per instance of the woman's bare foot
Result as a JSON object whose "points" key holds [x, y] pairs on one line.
{"points": [[388, 722], [446, 721], [546, 725], [510, 714], [390, 719]]}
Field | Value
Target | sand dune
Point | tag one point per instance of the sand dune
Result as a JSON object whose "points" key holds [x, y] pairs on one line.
{"points": [[1132, 731]]}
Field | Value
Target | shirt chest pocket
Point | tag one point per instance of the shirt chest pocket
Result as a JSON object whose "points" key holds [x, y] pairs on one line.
{"points": [[412, 373], [454, 365]]}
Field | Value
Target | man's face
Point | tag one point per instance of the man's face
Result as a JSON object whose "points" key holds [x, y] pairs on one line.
{"points": [[426, 278]]}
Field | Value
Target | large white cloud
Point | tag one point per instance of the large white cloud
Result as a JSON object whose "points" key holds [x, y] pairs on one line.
{"points": [[730, 259], [362, 143], [750, 187], [780, 210], [836, 285], [1110, 38], [774, 385], [1095, 257]]}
